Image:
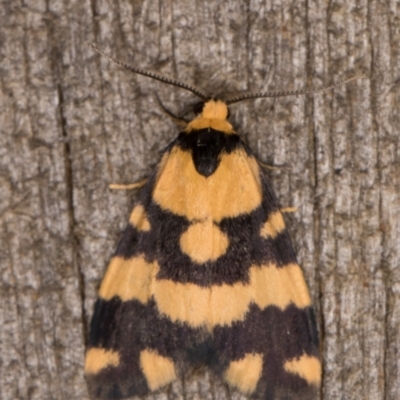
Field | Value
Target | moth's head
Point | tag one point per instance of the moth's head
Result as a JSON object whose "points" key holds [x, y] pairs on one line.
{"points": [[212, 109], [211, 114]]}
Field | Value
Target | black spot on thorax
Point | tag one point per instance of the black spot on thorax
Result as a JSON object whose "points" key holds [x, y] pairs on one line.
{"points": [[206, 146]]}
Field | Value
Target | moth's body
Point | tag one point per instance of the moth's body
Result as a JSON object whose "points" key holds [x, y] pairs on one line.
{"points": [[205, 274]]}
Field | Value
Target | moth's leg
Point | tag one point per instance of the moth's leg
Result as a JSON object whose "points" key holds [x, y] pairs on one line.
{"points": [[178, 120], [273, 167], [130, 186], [288, 209]]}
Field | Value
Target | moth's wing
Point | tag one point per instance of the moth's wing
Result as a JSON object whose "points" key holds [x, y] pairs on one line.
{"points": [[272, 351], [224, 264], [132, 349]]}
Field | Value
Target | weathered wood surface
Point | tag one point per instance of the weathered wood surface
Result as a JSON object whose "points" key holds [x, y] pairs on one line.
{"points": [[71, 123]]}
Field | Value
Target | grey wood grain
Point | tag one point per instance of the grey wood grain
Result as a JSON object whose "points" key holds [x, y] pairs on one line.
{"points": [[71, 123]]}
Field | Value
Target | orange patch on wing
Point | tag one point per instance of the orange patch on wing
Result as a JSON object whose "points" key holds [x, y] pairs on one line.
{"points": [[279, 286], [199, 306], [98, 359], [224, 304], [139, 219], [157, 369], [273, 226], [128, 279], [233, 189], [204, 241], [245, 373], [308, 367], [205, 306]]}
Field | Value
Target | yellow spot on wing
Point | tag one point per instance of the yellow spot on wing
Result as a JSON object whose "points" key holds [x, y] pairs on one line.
{"points": [[204, 241], [308, 367], [224, 304], [233, 189], [128, 279], [98, 359], [197, 306], [157, 369], [139, 219], [273, 226], [245, 373], [279, 286]]}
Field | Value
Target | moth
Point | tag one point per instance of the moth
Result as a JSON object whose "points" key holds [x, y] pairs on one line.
{"points": [[205, 275]]}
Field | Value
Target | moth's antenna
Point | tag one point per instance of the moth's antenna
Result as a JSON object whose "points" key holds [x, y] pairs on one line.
{"points": [[259, 95], [152, 75]]}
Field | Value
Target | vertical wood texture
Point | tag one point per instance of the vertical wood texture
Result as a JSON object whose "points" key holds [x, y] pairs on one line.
{"points": [[71, 123]]}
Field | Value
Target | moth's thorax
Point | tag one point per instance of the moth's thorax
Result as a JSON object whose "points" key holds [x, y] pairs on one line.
{"points": [[206, 146], [214, 115]]}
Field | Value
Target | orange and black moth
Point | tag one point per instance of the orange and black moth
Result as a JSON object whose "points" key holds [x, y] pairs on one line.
{"points": [[205, 275]]}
